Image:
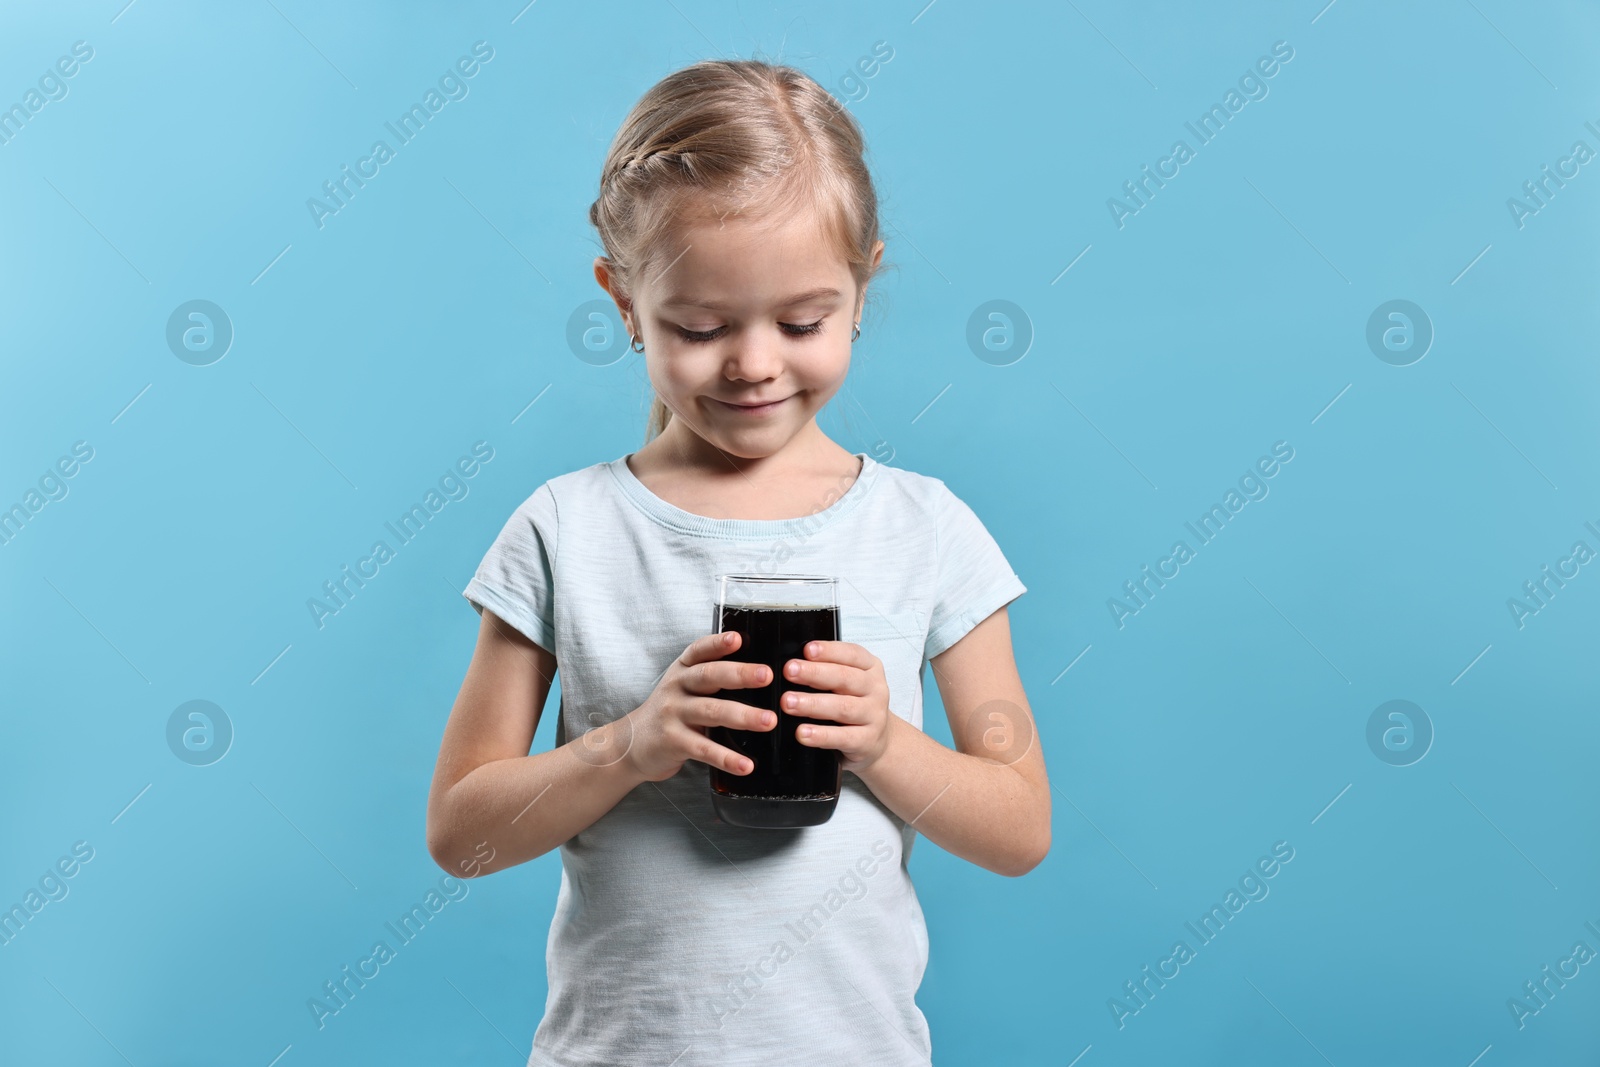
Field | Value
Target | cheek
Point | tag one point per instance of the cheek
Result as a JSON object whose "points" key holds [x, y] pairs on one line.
{"points": [[825, 369], [671, 372]]}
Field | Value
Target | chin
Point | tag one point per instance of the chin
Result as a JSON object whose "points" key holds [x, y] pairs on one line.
{"points": [[753, 450]]}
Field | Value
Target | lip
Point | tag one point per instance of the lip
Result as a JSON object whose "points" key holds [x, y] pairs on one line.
{"points": [[753, 409]]}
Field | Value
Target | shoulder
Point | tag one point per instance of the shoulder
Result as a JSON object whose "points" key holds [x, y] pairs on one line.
{"points": [[555, 505], [922, 494], [956, 527], [925, 492], [546, 498]]}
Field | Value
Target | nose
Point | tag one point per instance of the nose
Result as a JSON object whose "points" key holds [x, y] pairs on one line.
{"points": [[756, 359]]}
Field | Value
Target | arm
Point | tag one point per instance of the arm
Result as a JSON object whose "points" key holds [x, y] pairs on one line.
{"points": [[988, 802], [492, 805]]}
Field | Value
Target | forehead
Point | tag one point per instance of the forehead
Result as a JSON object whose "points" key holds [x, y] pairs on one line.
{"points": [[739, 262]]}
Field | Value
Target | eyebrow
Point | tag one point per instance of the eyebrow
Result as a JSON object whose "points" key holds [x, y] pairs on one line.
{"points": [[687, 301]]}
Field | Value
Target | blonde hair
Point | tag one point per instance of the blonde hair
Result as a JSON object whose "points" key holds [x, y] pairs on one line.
{"points": [[720, 136]]}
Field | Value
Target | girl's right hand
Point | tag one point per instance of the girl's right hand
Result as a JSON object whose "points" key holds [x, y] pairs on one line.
{"points": [[670, 727]]}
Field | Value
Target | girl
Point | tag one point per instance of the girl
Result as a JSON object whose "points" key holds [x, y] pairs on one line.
{"points": [[741, 231]]}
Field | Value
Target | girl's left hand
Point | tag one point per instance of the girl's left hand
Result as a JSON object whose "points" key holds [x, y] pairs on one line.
{"points": [[857, 698]]}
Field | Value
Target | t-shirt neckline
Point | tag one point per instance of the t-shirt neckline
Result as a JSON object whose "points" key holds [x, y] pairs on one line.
{"points": [[676, 518]]}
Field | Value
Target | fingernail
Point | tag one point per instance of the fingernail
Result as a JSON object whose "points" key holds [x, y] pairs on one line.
{"points": [[803, 731]]}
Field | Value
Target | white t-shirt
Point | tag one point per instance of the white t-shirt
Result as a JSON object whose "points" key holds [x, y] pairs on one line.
{"points": [[677, 938]]}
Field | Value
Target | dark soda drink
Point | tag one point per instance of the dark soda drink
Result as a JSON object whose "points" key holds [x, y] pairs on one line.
{"points": [[792, 784]]}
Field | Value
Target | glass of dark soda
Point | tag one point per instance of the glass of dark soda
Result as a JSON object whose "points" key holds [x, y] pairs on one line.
{"points": [[792, 784]]}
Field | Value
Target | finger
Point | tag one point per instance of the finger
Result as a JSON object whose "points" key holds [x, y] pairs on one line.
{"points": [[846, 652], [704, 750], [710, 711], [837, 737], [713, 675], [835, 677], [831, 706], [710, 647]]}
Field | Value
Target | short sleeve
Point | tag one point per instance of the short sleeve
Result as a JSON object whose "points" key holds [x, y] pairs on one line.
{"points": [[973, 578], [516, 579]]}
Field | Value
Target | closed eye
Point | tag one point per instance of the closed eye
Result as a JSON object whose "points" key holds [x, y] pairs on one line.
{"points": [[790, 328]]}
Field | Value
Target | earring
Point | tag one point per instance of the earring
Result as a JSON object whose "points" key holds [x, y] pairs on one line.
{"points": [[635, 344], [855, 332]]}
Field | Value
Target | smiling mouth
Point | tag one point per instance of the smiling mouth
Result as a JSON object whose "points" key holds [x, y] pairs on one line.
{"points": [[752, 409]]}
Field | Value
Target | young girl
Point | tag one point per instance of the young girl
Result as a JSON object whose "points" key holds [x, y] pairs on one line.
{"points": [[740, 226]]}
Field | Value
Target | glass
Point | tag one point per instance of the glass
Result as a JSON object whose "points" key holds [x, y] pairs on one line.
{"points": [[792, 784]]}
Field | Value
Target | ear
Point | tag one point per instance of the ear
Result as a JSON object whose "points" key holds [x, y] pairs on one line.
{"points": [[605, 275], [861, 301]]}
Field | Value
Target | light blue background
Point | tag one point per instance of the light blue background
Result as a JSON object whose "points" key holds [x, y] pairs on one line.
{"points": [[1228, 314]]}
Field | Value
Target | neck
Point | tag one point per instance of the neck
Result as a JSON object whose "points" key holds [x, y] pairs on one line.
{"points": [[678, 448]]}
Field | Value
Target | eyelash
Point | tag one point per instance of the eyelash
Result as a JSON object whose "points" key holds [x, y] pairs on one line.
{"points": [[792, 329]]}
